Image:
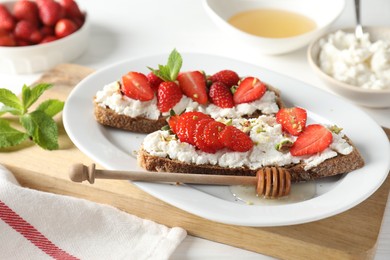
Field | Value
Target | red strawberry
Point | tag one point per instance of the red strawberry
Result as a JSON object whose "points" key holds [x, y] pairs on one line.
{"points": [[50, 11], [48, 38], [154, 80], [228, 77], [293, 120], [221, 95], [7, 21], [26, 10], [314, 139], [193, 84], [172, 122], [249, 90], [25, 30], [64, 27], [168, 95], [186, 125], [211, 135], [7, 40], [47, 30], [136, 86], [236, 140], [199, 137], [72, 9]]}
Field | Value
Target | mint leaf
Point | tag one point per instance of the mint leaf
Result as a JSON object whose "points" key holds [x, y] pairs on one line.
{"points": [[51, 107], [7, 109], [11, 101], [169, 71], [30, 95], [9, 136], [42, 129]]}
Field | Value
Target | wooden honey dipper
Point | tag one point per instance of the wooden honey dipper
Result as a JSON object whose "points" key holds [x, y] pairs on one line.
{"points": [[271, 182]]}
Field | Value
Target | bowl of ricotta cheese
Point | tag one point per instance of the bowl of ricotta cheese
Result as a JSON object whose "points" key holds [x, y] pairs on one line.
{"points": [[357, 69]]}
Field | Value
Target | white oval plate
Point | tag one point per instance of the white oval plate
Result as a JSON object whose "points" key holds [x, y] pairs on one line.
{"points": [[115, 149]]}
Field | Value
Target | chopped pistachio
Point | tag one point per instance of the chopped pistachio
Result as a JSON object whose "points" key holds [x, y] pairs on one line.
{"points": [[284, 145], [335, 129]]}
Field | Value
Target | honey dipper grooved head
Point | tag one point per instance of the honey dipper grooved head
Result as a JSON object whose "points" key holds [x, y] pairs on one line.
{"points": [[273, 182]]}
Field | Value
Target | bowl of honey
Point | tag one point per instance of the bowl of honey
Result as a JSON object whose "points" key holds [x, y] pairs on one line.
{"points": [[276, 27]]}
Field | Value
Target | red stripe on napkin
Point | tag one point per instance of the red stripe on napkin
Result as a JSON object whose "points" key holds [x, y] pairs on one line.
{"points": [[32, 234]]}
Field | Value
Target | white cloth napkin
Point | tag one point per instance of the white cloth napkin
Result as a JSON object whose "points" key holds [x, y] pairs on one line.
{"points": [[40, 225]]}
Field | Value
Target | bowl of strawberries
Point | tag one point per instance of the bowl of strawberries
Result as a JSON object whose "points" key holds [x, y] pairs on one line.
{"points": [[37, 35]]}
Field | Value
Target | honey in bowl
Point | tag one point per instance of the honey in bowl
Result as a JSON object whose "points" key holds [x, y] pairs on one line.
{"points": [[272, 23]]}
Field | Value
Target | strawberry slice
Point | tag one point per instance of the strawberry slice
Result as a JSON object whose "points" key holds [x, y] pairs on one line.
{"points": [[314, 139], [168, 95], [186, 125], [136, 86], [172, 122], [235, 139], [211, 135], [227, 77], [221, 95], [249, 89], [199, 137], [193, 84], [293, 120]]}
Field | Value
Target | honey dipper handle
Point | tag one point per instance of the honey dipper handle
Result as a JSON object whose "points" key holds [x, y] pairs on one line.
{"points": [[80, 173]]}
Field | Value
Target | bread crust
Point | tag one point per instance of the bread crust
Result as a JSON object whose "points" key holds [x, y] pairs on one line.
{"points": [[330, 167], [108, 117]]}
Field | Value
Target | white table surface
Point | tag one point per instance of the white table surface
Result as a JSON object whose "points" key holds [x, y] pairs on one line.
{"points": [[123, 29]]}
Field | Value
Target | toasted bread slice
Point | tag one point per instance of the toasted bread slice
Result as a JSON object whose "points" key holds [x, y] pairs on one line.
{"points": [[163, 151], [108, 117], [334, 166]]}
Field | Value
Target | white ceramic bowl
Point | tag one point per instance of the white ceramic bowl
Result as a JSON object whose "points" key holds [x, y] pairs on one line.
{"points": [[41, 57], [323, 13], [365, 97]]}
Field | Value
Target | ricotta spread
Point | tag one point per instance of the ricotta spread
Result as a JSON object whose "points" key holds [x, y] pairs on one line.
{"points": [[264, 131], [358, 62], [111, 96]]}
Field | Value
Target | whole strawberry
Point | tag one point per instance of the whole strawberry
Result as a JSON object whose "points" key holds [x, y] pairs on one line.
{"points": [[221, 95], [25, 30], [64, 27], [50, 11], [228, 77], [26, 10], [168, 95], [7, 22], [6, 39], [71, 8]]}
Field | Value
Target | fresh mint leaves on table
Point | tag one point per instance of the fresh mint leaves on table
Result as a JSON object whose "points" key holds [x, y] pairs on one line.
{"points": [[39, 125]]}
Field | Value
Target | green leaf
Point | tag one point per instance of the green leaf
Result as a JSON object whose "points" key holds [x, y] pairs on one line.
{"points": [[169, 71], [9, 136], [7, 109], [9, 99], [51, 107], [42, 129], [30, 95]]}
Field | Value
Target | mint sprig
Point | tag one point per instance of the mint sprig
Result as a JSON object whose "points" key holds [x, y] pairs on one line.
{"points": [[169, 71], [39, 124]]}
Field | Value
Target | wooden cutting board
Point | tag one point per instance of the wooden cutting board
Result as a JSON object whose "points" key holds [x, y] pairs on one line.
{"points": [[350, 235]]}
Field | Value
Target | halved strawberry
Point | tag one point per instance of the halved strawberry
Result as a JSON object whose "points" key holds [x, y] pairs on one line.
{"points": [[314, 139], [235, 139], [221, 95], [293, 120], [186, 125], [227, 77], [136, 86], [154, 80], [193, 84], [199, 137], [249, 89], [211, 135], [168, 95]]}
